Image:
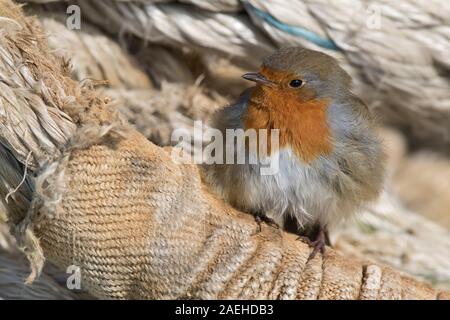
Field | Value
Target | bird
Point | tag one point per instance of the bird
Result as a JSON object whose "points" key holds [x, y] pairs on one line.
{"points": [[330, 157]]}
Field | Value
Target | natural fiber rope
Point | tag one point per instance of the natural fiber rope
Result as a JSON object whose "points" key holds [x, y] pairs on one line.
{"points": [[96, 56], [400, 66], [164, 236], [387, 233]]}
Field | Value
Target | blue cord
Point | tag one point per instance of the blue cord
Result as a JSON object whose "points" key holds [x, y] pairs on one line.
{"points": [[296, 31]]}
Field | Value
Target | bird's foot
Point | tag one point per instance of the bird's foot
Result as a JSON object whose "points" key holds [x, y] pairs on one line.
{"points": [[319, 244], [260, 219]]}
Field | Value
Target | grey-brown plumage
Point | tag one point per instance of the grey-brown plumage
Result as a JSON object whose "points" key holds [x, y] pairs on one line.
{"points": [[330, 159]]}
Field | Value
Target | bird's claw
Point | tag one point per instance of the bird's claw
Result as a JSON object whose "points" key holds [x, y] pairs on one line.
{"points": [[317, 245], [305, 239], [260, 219]]}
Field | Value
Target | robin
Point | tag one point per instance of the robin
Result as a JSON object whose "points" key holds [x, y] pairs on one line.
{"points": [[330, 158]]}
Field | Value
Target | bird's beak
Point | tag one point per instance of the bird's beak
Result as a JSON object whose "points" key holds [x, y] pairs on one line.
{"points": [[258, 78]]}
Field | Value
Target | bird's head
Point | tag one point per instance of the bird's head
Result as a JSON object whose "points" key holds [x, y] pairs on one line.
{"points": [[298, 74], [294, 88]]}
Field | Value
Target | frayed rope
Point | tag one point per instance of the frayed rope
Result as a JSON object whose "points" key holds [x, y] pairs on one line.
{"points": [[50, 188]]}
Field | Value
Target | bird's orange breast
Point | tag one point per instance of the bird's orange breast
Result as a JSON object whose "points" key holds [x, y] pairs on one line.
{"points": [[302, 122]]}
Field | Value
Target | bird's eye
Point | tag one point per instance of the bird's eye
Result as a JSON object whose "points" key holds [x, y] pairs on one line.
{"points": [[296, 83]]}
